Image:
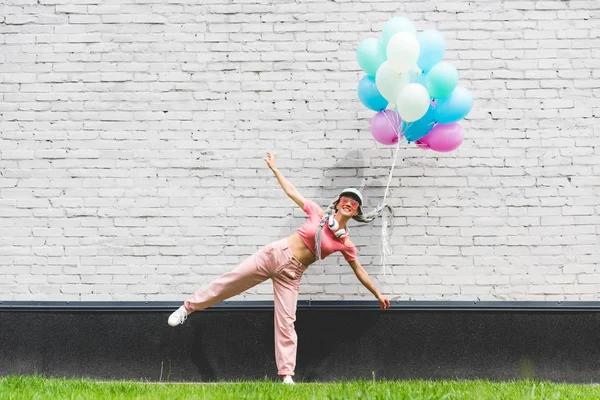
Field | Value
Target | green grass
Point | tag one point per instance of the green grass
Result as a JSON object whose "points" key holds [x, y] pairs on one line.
{"points": [[18, 387]]}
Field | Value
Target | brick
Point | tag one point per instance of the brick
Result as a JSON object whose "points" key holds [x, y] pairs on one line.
{"points": [[133, 149]]}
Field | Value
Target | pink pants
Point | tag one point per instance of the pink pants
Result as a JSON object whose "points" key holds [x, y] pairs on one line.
{"points": [[273, 261]]}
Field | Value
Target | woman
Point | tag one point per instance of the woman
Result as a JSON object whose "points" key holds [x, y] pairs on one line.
{"points": [[285, 260]]}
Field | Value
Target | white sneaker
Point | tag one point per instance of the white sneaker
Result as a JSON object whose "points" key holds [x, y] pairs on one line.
{"points": [[288, 380], [179, 316]]}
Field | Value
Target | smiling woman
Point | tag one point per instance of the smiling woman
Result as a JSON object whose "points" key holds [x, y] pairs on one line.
{"points": [[285, 260]]}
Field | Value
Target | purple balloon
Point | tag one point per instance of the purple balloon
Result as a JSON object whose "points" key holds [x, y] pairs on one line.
{"points": [[385, 127], [443, 137]]}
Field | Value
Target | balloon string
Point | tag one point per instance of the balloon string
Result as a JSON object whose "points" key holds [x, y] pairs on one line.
{"points": [[387, 187], [395, 125], [401, 140], [387, 220]]}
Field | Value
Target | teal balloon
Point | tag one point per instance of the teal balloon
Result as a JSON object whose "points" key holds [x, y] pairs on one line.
{"points": [[369, 95], [419, 128], [454, 107], [370, 55], [441, 80], [431, 49], [396, 25]]}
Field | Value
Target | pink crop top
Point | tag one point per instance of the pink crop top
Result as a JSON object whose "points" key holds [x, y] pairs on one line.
{"points": [[329, 243]]}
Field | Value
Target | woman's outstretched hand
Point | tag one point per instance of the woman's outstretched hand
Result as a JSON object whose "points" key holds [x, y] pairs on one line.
{"points": [[270, 160], [384, 303]]}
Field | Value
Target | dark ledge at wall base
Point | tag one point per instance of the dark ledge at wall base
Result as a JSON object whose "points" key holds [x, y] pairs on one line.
{"points": [[558, 341]]}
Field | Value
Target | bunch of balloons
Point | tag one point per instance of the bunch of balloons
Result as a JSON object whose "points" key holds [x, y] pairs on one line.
{"points": [[405, 72]]}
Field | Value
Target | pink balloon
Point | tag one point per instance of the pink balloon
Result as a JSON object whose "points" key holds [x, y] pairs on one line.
{"points": [[444, 137], [385, 127], [422, 145]]}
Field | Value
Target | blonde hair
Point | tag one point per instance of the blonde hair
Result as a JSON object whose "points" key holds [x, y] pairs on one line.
{"points": [[331, 210]]}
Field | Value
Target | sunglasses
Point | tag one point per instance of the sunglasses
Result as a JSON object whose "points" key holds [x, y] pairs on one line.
{"points": [[348, 201]]}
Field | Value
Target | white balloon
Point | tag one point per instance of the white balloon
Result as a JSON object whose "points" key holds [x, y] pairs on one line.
{"points": [[396, 25], [403, 51], [412, 102], [389, 81]]}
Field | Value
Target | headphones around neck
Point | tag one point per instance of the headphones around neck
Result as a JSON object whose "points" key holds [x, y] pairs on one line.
{"points": [[334, 226]]}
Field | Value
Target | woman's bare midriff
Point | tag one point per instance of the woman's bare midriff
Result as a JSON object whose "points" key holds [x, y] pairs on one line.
{"points": [[299, 250]]}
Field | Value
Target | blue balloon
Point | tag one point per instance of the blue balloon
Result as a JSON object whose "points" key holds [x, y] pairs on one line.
{"points": [[420, 78], [369, 95], [432, 48], [454, 107], [419, 128]]}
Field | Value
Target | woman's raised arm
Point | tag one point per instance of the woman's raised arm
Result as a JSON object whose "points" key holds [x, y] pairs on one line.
{"points": [[286, 185]]}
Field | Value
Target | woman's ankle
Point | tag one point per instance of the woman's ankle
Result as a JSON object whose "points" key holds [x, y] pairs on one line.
{"points": [[188, 307]]}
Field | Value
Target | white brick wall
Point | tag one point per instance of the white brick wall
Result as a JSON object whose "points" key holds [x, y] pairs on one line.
{"points": [[132, 137]]}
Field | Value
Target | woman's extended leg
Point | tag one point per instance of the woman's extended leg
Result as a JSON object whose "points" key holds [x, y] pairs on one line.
{"points": [[249, 273], [246, 275]]}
